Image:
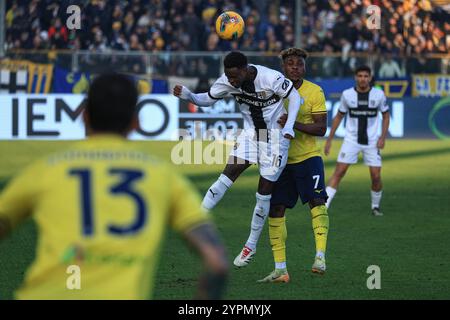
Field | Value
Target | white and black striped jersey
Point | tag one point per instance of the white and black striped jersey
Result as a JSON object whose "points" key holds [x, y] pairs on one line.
{"points": [[362, 114], [261, 100]]}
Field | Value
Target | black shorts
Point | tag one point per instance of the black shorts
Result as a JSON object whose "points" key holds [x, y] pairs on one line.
{"points": [[305, 179]]}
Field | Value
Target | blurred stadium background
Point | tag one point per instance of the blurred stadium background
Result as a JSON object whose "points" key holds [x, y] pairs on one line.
{"points": [[46, 67]]}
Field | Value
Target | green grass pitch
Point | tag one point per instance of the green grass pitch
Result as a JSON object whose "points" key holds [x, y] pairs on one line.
{"points": [[409, 243]]}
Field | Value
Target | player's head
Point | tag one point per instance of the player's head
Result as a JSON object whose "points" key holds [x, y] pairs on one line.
{"points": [[363, 77], [294, 63], [111, 105], [235, 64]]}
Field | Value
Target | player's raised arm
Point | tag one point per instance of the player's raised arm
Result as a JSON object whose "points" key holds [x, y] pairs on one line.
{"points": [[200, 99], [319, 125]]}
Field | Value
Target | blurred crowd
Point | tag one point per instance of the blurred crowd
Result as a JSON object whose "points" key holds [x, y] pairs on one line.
{"points": [[406, 28], [150, 25], [333, 27], [409, 26]]}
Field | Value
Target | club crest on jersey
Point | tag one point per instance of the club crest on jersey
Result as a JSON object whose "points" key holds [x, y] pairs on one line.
{"points": [[372, 103]]}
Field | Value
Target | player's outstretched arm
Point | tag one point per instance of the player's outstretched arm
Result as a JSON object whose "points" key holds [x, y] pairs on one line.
{"points": [[317, 128], [205, 240], [336, 122], [293, 107], [200, 99]]}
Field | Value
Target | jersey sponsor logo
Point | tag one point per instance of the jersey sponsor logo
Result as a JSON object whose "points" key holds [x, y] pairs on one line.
{"points": [[362, 112], [78, 254], [255, 101]]}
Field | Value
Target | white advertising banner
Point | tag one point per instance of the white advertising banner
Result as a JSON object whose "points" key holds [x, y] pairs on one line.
{"points": [[58, 117], [162, 117]]}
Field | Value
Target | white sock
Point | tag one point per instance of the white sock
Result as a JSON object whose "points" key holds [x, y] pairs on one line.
{"points": [[216, 192], [320, 254], [330, 192], [260, 214], [280, 265], [376, 198]]}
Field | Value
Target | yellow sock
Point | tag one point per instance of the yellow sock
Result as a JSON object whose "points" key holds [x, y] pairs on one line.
{"points": [[278, 235], [320, 224]]}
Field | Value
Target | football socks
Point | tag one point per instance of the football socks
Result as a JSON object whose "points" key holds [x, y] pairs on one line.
{"points": [[330, 192], [320, 224], [260, 214], [278, 235], [376, 198], [216, 192]]}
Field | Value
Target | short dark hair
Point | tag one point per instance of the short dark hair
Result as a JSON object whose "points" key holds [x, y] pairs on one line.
{"points": [[293, 52], [111, 103], [235, 59], [363, 68]]}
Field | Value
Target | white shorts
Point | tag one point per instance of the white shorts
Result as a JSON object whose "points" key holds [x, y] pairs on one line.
{"points": [[350, 150], [271, 157]]}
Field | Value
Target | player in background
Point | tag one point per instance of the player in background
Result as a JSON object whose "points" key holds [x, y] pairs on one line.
{"points": [[104, 206], [361, 104], [304, 173], [260, 92]]}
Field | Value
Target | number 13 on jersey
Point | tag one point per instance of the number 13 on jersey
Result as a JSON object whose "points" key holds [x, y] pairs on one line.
{"points": [[124, 187]]}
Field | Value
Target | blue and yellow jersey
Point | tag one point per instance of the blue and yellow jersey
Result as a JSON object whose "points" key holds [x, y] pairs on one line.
{"points": [[102, 206], [304, 146]]}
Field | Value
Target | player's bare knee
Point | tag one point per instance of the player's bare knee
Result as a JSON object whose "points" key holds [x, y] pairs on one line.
{"points": [[316, 202], [233, 171], [265, 186], [376, 179], [376, 185], [340, 173], [277, 211]]}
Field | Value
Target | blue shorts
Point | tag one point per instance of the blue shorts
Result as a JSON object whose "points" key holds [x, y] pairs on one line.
{"points": [[305, 179]]}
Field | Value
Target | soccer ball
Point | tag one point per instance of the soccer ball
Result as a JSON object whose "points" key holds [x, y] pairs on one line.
{"points": [[230, 25]]}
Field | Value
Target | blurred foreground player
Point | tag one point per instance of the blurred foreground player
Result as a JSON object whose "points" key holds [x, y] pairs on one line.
{"points": [[104, 207]]}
